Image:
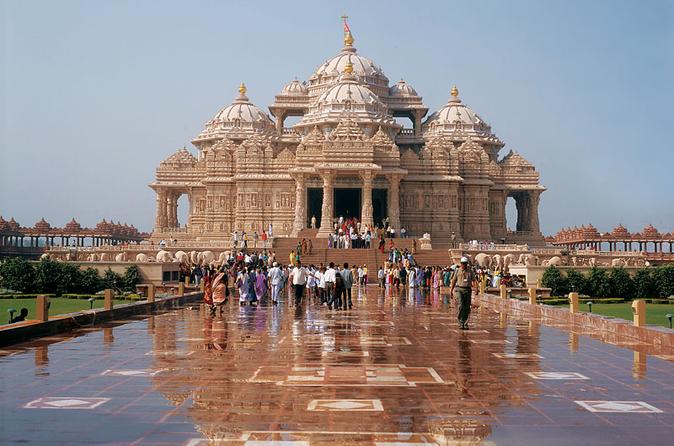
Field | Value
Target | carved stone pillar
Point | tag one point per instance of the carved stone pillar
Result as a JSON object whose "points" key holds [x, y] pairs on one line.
{"points": [[300, 205], [160, 220], [534, 201], [394, 201], [326, 211], [366, 217]]}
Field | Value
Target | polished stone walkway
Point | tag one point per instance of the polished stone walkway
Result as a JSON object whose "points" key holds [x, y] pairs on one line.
{"points": [[394, 371]]}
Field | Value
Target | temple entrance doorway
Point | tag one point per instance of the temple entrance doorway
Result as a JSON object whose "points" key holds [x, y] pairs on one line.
{"points": [[380, 206], [314, 205], [347, 203]]}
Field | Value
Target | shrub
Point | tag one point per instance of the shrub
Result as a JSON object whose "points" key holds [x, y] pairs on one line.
{"points": [[644, 284], [91, 281], [112, 280], [621, 283], [597, 283], [18, 275], [131, 278], [555, 280], [575, 280], [664, 280]]}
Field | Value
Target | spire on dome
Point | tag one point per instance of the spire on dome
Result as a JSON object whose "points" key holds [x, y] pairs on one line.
{"points": [[242, 88], [348, 37], [455, 91], [348, 68]]}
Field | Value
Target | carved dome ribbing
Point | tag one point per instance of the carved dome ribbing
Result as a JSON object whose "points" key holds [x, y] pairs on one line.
{"points": [[402, 89]]}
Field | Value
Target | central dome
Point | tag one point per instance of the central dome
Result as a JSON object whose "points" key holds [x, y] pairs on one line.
{"points": [[364, 70]]}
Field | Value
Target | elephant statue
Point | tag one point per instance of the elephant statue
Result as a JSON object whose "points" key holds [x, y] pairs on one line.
{"points": [[206, 257], [497, 261], [182, 257], [164, 257], [222, 258], [194, 258], [508, 259], [618, 263], [121, 257], [142, 258], [44, 256], [555, 261], [483, 260], [105, 257], [592, 261]]}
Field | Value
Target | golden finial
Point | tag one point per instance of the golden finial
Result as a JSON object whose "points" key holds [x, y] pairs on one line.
{"points": [[455, 91], [348, 37], [242, 88], [348, 68]]}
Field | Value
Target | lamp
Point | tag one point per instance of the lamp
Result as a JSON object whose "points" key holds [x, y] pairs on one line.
{"points": [[589, 304], [669, 316], [11, 312], [91, 303]]}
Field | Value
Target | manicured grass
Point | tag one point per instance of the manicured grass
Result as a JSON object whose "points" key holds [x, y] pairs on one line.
{"points": [[59, 305], [655, 313]]}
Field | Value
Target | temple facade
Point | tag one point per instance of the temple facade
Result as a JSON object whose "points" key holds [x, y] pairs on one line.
{"points": [[350, 153]]}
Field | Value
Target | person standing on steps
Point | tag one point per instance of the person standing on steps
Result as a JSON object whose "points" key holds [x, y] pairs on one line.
{"points": [[461, 286]]}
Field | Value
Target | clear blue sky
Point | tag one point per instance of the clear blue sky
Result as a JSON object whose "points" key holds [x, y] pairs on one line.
{"points": [[94, 94]]}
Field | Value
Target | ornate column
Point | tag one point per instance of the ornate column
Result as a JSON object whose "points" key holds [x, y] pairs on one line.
{"points": [[326, 210], [366, 218], [534, 200], [300, 205], [174, 210], [394, 201], [160, 218]]}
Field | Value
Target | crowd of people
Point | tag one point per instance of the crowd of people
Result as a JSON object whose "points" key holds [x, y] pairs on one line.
{"points": [[350, 233]]}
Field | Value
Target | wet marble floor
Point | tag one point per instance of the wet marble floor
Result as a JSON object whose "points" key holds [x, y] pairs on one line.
{"points": [[395, 370]]}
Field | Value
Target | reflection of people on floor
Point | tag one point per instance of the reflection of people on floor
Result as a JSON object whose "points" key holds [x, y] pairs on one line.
{"points": [[464, 369]]}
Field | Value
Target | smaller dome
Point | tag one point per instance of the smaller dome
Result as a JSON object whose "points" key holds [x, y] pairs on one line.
{"points": [[103, 226], [181, 157], [13, 225], [73, 226], [42, 225], [240, 116], [294, 88], [402, 88], [650, 231], [3, 224], [620, 231]]}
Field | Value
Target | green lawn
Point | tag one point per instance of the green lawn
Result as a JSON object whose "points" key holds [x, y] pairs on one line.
{"points": [[655, 313], [59, 305]]}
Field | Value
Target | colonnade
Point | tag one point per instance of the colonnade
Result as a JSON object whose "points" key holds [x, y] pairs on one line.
{"points": [[167, 208], [327, 210], [33, 241]]}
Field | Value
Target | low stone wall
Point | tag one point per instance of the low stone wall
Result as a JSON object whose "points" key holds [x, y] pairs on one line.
{"points": [[15, 333], [656, 340]]}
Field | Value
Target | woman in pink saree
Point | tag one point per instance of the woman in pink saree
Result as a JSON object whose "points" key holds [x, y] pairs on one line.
{"points": [[220, 291]]}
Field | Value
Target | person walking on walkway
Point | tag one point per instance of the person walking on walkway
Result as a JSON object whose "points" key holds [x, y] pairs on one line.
{"points": [[329, 278], [298, 277], [347, 278], [463, 281], [276, 279]]}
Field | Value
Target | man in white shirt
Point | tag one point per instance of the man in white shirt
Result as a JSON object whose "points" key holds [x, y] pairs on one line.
{"points": [[329, 278], [298, 277], [276, 279]]}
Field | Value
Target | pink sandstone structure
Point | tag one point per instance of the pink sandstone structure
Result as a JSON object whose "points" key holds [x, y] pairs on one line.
{"points": [[347, 156]]}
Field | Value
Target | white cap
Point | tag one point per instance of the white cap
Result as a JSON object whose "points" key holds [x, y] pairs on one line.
{"points": [[275, 264], [464, 259]]}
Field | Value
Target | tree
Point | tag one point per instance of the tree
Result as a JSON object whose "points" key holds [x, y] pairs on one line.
{"points": [[553, 278], [112, 280], [664, 280], [644, 284], [621, 283], [131, 278], [575, 280], [597, 283], [48, 277], [91, 281], [17, 274]]}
